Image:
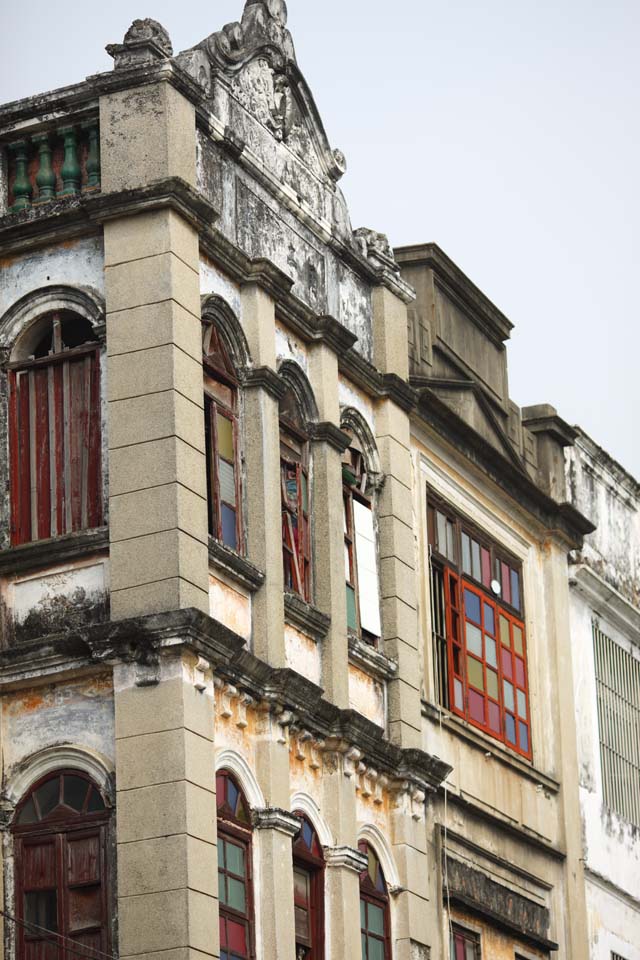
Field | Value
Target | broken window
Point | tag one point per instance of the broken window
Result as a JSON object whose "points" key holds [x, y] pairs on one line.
{"points": [[464, 945], [54, 432], [360, 550], [308, 892], [375, 928], [478, 630], [222, 441], [294, 488], [235, 888], [62, 891]]}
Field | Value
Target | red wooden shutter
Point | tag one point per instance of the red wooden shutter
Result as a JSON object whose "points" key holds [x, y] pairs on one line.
{"points": [[54, 414]]}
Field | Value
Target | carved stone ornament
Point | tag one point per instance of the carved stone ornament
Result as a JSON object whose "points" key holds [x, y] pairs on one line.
{"points": [[375, 247], [145, 41], [263, 24]]}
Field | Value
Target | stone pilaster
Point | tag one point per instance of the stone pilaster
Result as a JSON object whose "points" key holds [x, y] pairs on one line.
{"points": [[157, 476], [395, 518], [166, 824], [262, 453], [276, 829]]}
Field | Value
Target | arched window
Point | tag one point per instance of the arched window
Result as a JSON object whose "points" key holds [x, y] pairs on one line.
{"points": [[360, 547], [308, 892], [62, 888], [235, 888], [222, 440], [294, 486], [54, 429], [375, 926]]}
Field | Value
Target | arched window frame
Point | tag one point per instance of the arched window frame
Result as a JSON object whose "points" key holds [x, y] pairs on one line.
{"points": [[55, 434], [308, 861], [234, 832], [224, 376], [374, 892], [361, 482], [297, 413], [67, 833]]}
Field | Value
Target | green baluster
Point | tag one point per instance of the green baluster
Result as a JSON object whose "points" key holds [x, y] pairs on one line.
{"points": [[70, 168], [46, 178], [93, 156], [22, 188]]}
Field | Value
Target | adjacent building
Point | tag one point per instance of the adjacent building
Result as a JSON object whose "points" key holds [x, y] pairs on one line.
{"points": [[290, 633]]}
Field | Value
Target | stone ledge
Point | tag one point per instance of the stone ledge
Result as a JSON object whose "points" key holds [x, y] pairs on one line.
{"points": [[274, 818], [298, 613], [370, 660], [235, 566], [48, 553]]}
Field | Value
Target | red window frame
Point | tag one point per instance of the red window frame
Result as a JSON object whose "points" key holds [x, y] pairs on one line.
{"points": [[237, 929], [374, 893], [55, 440], [486, 651], [48, 849], [308, 863], [221, 404], [295, 498], [465, 945]]}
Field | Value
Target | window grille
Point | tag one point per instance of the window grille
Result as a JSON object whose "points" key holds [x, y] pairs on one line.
{"points": [[617, 956], [618, 693]]}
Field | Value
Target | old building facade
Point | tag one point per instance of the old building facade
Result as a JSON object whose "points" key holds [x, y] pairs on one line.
{"points": [[286, 667]]}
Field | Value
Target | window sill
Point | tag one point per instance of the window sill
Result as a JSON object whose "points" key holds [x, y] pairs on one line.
{"points": [[370, 660], [298, 613], [238, 568], [53, 552], [488, 745]]}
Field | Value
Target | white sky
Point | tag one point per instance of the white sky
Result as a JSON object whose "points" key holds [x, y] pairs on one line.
{"points": [[506, 131]]}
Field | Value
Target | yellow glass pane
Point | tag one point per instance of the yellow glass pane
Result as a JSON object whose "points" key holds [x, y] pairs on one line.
{"points": [[225, 438], [492, 684], [517, 639], [504, 631], [475, 673]]}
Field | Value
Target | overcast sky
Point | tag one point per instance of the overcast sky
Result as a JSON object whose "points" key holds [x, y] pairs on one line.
{"points": [[505, 131]]}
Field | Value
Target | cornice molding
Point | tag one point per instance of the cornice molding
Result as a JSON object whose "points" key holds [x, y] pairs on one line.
{"points": [[372, 661], [54, 552], [275, 818], [346, 857], [605, 600], [327, 432], [265, 378]]}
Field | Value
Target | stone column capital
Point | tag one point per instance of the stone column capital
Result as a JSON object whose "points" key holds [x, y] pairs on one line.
{"points": [[275, 818], [344, 856]]}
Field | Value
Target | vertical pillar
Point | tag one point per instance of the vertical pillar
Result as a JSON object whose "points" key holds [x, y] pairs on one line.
{"points": [[328, 523], [157, 476], [264, 513], [556, 576], [395, 517], [415, 916], [166, 826], [344, 861], [276, 831]]}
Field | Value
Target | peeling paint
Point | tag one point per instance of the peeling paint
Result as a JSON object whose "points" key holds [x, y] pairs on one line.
{"points": [[213, 280], [230, 607], [302, 654], [366, 695]]}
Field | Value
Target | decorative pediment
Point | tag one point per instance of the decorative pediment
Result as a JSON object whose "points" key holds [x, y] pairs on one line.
{"points": [[257, 58], [466, 400]]}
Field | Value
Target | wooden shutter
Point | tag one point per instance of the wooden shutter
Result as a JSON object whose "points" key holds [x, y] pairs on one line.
{"points": [[368, 584], [54, 414]]}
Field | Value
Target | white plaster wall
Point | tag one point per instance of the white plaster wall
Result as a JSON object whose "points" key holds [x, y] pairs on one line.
{"points": [[614, 924], [76, 263], [288, 348], [26, 593], [350, 396], [213, 280]]}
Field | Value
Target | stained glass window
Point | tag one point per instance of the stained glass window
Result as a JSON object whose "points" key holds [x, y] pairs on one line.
{"points": [[235, 891], [308, 892], [374, 909]]}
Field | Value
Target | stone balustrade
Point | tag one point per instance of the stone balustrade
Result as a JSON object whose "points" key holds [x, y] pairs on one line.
{"points": [[63, 162]]}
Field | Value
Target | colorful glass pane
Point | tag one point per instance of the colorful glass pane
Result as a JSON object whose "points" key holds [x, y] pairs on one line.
{"points": [[475, 673], [476, 706], [224, 427], [492, 684], [506, 583], [507, 664], [472, 606], [474, 639], [486, 567], [491, 652], [523, 733], [229, 526], [489, 619], [520, 671], [515, 589], [466, 554], [504, 631], [508, 695], [522, 704], [517, 639], [458, 695], [475, 560], [494, 716]]}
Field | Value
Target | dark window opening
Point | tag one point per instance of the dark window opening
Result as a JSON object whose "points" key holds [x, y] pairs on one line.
{"points": [[308, 893], [295, 498], [55, 433], [222, 442], [464, 945], [235, 886], [375, 924]]}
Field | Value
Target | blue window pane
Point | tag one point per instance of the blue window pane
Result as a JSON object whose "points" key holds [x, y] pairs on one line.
{"points": [[509, 701], [307, 834], [489, 620], [524, 736], [232, 794], [472, 606], [515, 589], [229, 534], [510, 728]]}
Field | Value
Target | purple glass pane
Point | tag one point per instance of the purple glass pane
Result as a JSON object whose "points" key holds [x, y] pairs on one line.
{"points": [[523, 733], [507, 667], [515, 589], [520, 671], [476, 706], [494, 716]]}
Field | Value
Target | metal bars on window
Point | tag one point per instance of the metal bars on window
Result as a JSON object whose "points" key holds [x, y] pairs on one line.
{"points": [[618, 693]]}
